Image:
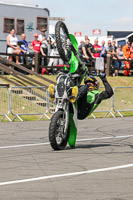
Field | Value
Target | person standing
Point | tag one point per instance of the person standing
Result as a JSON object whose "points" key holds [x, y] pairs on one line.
{"points": [[131, 51], [127, 54], [43, 39], [97, 48], [36, 47], [99, 61]]}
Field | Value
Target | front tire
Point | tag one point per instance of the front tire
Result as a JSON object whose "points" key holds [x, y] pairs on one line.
{"points": [[57, 138], [63, 41]]}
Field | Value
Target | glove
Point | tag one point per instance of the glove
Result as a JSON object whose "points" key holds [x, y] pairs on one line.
{"points": [[102, 75]]}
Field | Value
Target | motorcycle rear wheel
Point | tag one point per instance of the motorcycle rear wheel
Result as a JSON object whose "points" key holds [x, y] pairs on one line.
{"points": [[57, 138], [63, 41]]}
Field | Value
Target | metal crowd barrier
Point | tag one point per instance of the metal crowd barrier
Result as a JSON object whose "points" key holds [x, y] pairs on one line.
{"points": [[122, 100], [104, 107], [4, 103], [18, 101], [28, 101]]}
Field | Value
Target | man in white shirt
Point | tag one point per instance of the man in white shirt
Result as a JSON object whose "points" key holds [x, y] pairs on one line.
{"points": [[43, 39]]}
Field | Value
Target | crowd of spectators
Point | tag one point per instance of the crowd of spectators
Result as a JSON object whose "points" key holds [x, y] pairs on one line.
{"points": [[117, 53], [40, 44]]}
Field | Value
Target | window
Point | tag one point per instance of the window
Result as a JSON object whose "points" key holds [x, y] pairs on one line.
{"points": [[9, 23], [20, 26], [41, 22]]}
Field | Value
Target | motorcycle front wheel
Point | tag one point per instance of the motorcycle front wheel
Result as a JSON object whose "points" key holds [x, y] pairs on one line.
{"points": [[57, 138], [63, 41]]}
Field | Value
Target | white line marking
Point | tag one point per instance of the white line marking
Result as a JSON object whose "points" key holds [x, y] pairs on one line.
{"points": [[105, 138], [24, 145], [65, 175], [79, 140]]}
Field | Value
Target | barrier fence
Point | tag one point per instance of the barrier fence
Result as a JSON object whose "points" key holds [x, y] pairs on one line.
{"points": [[16, 102], [28, 101], [104, 107], [122, 100], [4, 103]]}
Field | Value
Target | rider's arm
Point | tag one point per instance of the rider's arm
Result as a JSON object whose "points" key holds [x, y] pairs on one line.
{"points": [[108, 91]]}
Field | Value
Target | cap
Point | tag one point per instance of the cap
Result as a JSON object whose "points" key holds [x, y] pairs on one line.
{"points": [[36, 35]]}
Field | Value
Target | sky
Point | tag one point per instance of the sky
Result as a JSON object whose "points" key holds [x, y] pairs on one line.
{"points": [[85, 15]]}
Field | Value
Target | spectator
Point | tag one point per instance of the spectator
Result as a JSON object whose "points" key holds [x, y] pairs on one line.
{"points": [[86, 37], [43, 39], [114, 55], [12, 47], [23, 44], [99, 62], [51, 42], [82, 50], [36, 44], [109, 48], [114, 46], [89, 48], [126, 51], [97, 48], [131, 51], [103, 52], [120, 56]]}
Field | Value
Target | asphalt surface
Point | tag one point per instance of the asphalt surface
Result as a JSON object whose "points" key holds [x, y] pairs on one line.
{"points": [[99, 168]]}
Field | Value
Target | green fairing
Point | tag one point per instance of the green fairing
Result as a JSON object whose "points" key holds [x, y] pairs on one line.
{"points": [[73, 131], [74, 63]]}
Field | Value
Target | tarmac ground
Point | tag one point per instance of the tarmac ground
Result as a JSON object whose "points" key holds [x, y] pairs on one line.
{"points": [[99, 168]]}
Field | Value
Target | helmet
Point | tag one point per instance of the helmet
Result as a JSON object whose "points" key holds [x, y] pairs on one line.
{"points": [[36, 35], [93, 80]]}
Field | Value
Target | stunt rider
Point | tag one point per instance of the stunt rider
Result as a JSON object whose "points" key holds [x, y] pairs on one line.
{"points": [[89, 97]]}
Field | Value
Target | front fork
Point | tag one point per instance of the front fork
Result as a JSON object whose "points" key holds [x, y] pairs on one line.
{"points": [[65, 107]]}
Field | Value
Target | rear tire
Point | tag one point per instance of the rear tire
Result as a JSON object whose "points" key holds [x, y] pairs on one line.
{"points": [[62, 39], [58, 139]]}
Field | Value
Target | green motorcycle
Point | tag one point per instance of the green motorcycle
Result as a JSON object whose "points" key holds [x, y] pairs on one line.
{"points": [[63, 125]]}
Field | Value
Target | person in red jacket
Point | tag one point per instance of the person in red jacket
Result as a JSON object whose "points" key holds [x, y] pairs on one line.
{"points": [[37, 47], [36, 44], [127, 54], [97, 48]]}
